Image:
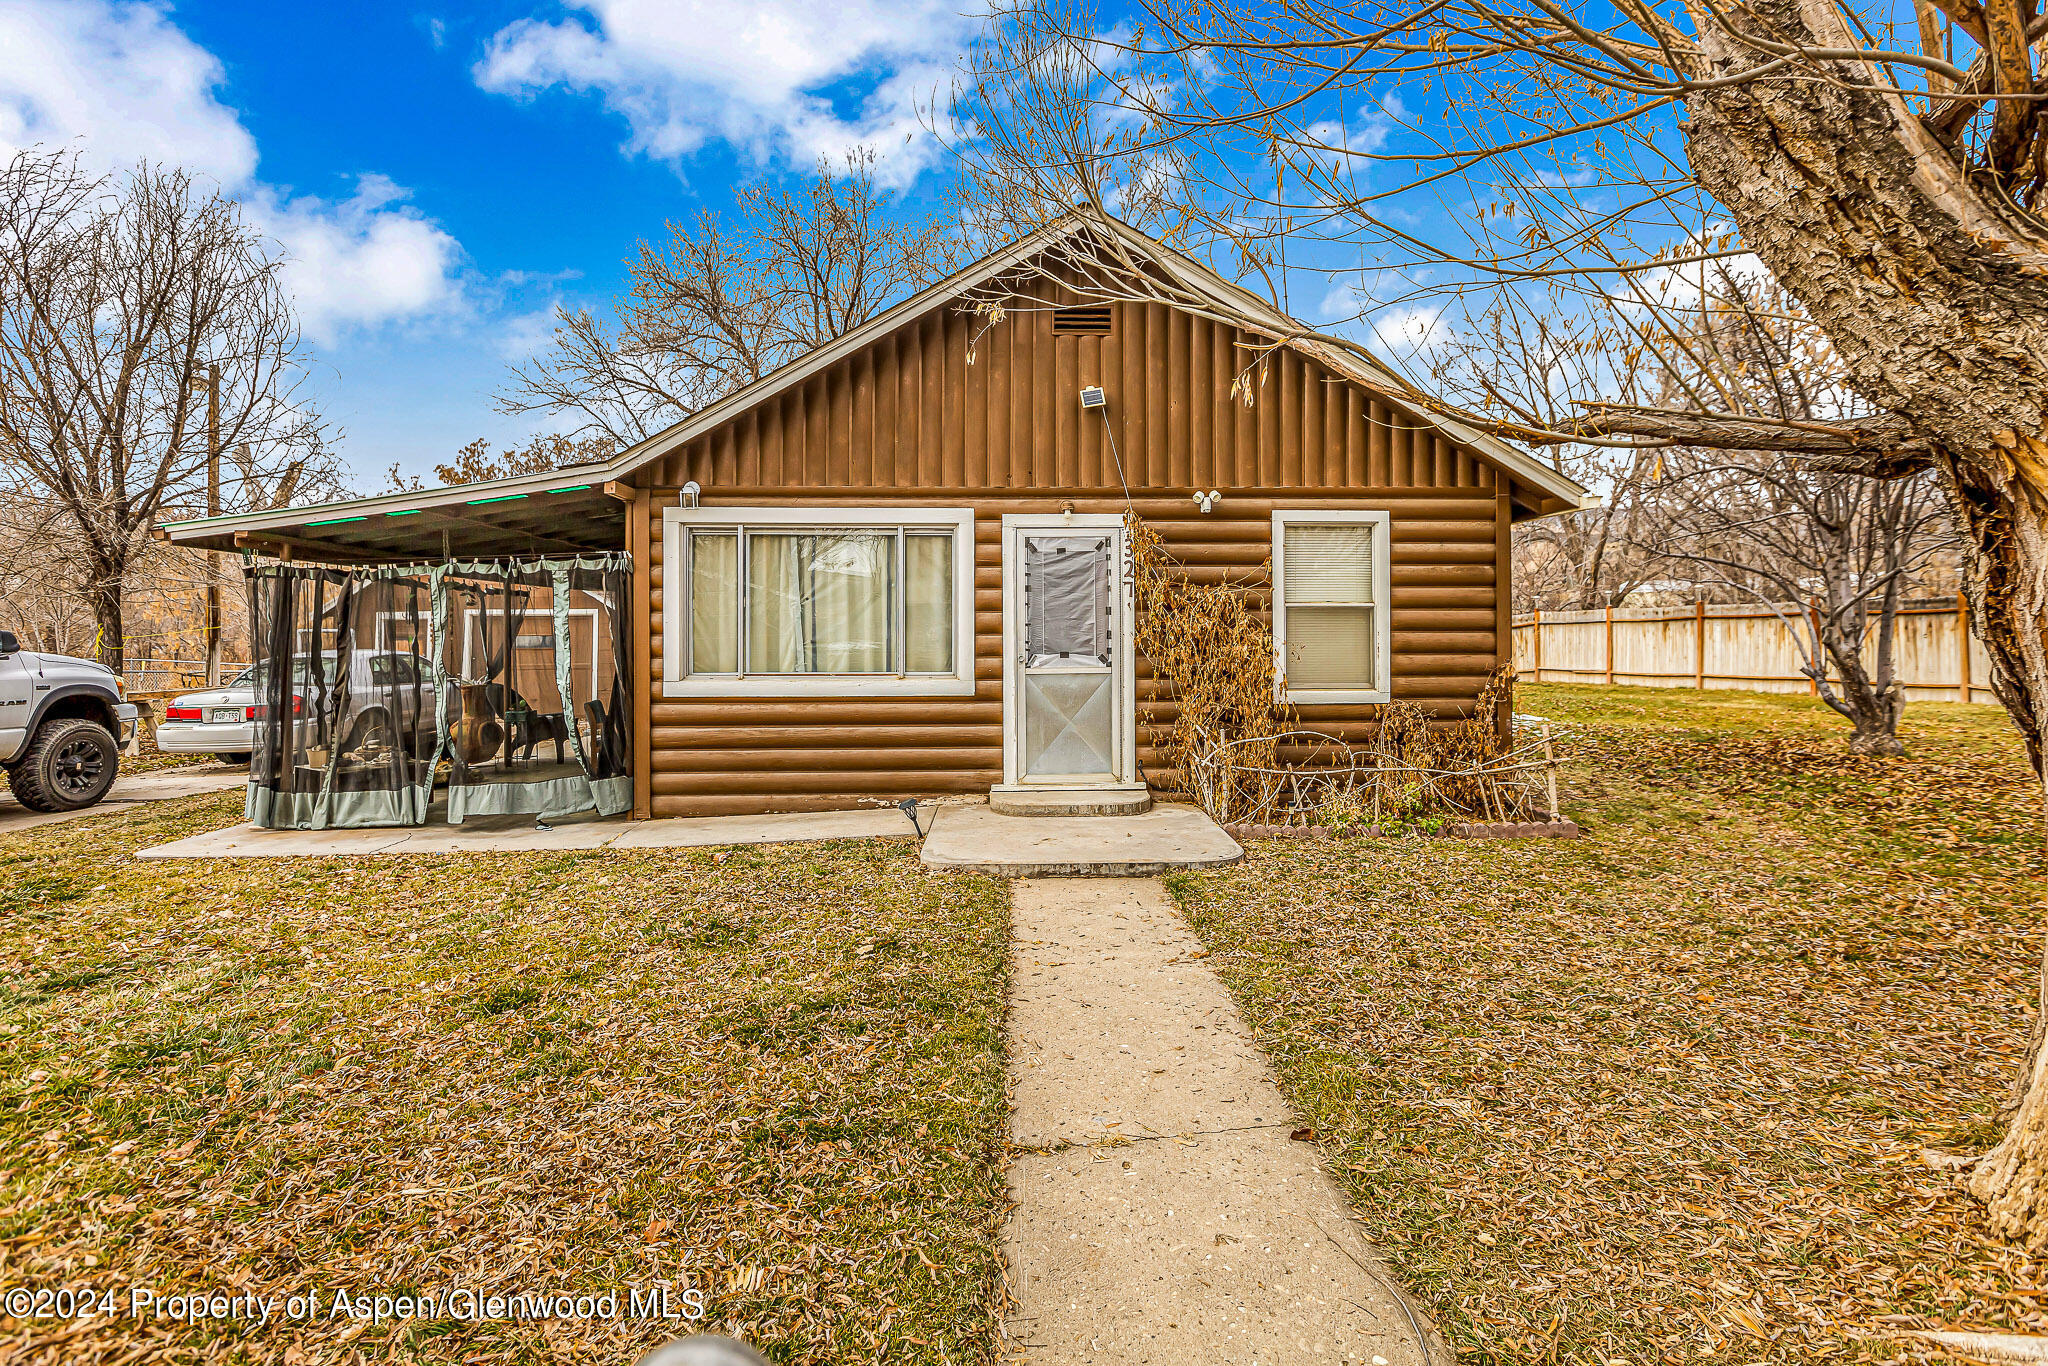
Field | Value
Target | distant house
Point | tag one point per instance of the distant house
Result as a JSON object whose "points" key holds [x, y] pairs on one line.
{"points": [[890, 569]]}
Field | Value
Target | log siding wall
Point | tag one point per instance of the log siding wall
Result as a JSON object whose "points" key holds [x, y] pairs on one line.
{"points": [[909, 421]]}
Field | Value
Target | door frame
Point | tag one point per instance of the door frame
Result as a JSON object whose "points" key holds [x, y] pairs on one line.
{"points": [[1123, 668]]}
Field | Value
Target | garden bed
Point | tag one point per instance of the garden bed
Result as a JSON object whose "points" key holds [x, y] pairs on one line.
{"points": [[1463, 830]]}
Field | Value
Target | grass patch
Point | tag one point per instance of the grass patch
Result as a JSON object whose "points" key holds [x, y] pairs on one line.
{"points": [[773, 1075], [1659, 1095]]}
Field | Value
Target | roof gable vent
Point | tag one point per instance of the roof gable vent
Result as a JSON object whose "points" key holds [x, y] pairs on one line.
{"points": [[1090, 320]]}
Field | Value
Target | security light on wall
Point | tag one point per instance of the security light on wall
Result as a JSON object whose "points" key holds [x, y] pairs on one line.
{"points": [[1207, 501], [1093, 397]]}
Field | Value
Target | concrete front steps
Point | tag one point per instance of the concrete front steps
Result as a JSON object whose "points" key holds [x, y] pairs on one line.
{"points": [[1158, 840], [1129, 799]]}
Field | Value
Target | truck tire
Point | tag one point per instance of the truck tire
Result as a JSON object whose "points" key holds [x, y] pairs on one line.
{"points": [[67, 765]]}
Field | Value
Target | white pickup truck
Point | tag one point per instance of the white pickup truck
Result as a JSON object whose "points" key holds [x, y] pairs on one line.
{"points": [[63, 722]]}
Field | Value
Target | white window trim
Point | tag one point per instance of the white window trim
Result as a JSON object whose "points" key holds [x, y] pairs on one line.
{"points": [[678, 522], [1382, 613]]}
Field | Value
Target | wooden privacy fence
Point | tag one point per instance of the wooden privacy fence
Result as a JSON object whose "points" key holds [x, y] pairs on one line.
{"points": [[1707, 645]]}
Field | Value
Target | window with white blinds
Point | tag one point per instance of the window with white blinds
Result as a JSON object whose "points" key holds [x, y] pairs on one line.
{"points": [[1329, 605]]}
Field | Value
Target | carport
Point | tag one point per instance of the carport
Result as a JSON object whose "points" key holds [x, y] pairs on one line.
{"points": [[427, 657]]}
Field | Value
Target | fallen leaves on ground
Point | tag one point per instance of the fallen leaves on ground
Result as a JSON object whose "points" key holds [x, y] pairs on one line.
{"points": [[770, 1075], [1661, 1095]]}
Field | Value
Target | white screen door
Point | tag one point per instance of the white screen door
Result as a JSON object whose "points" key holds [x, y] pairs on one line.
{"points": [[1068, 701]]}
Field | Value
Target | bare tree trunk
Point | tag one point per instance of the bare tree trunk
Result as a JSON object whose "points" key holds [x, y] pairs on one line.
{"points": [[104, 597], [1934, 292], [1874, 715], [2008, 581]]}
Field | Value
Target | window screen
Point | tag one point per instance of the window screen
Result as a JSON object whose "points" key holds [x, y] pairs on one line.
{"points": [[1327, 581], [1067, 586]]}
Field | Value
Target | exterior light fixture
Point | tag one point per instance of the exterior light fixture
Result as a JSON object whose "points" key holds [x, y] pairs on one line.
{"points": [[1207, 501]]}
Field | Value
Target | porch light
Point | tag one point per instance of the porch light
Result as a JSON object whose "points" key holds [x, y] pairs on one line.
{"points": [[501, 498]]}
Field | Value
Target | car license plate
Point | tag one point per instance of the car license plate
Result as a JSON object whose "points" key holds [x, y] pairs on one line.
{"points": [[221, 716]]}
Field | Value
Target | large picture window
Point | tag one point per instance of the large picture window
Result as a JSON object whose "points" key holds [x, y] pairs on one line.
{"points": [[787, 602], [1330, 588]]}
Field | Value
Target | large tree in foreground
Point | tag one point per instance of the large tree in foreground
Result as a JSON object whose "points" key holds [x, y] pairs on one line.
{"points": [[1886, 166], [143, 327]]}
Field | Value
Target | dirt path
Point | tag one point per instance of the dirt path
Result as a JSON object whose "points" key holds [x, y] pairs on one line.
{"points": [[1162, 1214]]}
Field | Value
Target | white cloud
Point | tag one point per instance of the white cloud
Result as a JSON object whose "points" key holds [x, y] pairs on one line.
{"points": [[525, 335], [1410, 331], [796, 78], [122, 80], [360, 261], [122, 83]]}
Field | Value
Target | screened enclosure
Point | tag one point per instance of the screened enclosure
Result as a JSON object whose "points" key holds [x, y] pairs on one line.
{"points": [[407, 694]]}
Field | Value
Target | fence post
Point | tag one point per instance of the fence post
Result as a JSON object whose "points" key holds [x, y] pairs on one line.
{"points": [[1539, 645], [1813, 679], [1610, 644], [1699, 643], [1964, 691]]}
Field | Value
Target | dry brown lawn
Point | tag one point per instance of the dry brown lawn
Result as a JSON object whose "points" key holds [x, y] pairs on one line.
{"points": [[1660, 1095], [771, 1076]]}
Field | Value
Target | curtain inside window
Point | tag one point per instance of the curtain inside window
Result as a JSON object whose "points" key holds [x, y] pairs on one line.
{"points": [[928, 604], [820, 603], [1328, 582], [714, 603]]}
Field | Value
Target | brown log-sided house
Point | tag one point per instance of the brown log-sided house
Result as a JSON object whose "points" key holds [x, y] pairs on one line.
{"points": [[891, 568]]}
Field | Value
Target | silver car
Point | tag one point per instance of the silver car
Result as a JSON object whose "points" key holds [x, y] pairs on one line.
{"points": [[218, 721]]}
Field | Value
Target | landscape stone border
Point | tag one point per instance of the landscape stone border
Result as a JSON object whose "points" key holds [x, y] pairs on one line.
{"points": [[1462, 830]]}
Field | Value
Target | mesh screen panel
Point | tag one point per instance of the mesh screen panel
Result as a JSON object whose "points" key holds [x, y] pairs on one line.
{"points": [[505, 683]]}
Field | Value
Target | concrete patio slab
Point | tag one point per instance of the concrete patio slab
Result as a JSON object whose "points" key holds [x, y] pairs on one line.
{"points": [[681, 831], [161, 786], [1161, 1213], [1162, 839], [518, 835]]}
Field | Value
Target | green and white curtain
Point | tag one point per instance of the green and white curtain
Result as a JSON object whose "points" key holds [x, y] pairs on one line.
{"points": [[503, 684]]}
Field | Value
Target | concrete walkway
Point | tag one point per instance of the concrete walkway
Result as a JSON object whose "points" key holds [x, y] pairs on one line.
{"points": [[1162, 1214], [982, 840], [160, 786], [519, 835]]}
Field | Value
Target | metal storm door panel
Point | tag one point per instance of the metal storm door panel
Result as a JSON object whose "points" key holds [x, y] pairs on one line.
{"points": [[1071, 680]]}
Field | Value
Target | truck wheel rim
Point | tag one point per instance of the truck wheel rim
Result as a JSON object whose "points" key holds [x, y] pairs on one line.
{"points": [[79, 766]]}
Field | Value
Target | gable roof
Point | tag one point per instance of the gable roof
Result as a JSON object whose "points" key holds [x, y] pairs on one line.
{"points": [[555, 521]]}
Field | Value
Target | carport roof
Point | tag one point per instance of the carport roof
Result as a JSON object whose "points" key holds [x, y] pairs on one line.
{"points": [[554, 513]]}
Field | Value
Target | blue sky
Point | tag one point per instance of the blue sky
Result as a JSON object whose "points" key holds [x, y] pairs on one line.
{"points": [[441, 177]]}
